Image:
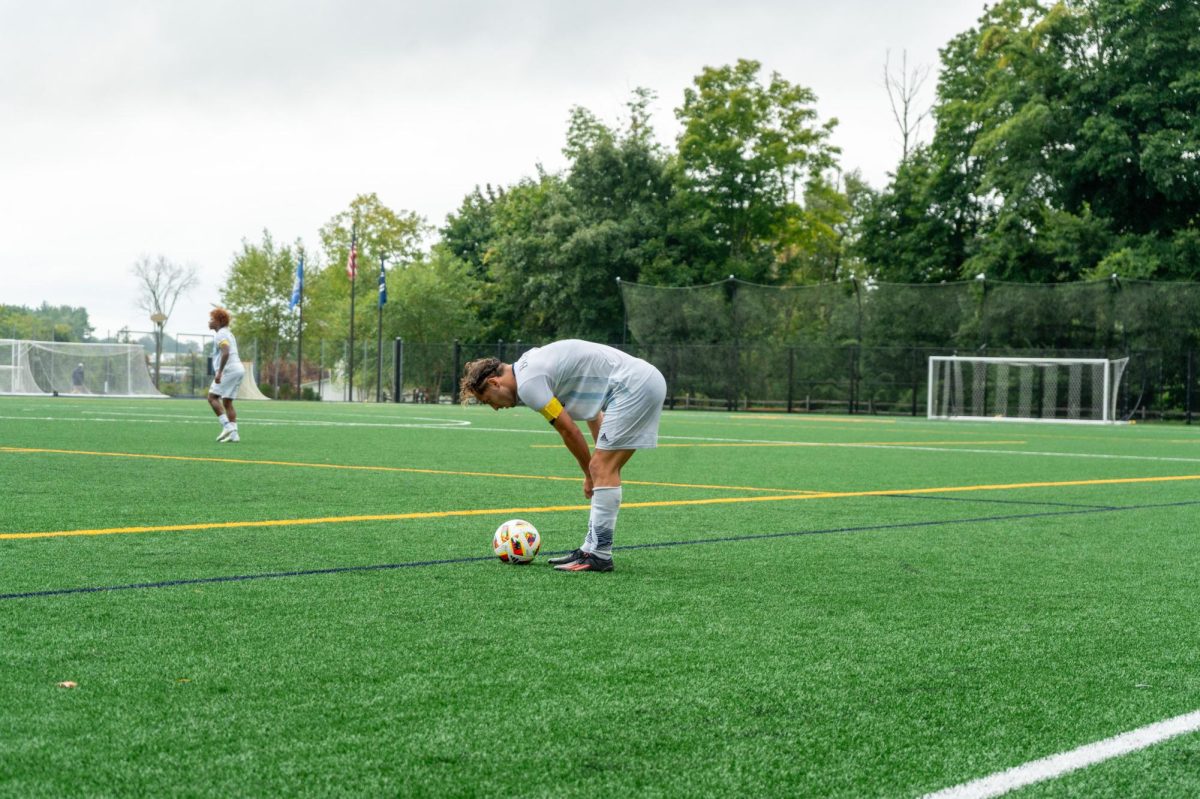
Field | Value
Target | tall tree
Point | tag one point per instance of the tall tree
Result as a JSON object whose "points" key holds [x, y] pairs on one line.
{"points": [[748, 153], [257, 291], [549, 249], [432, 299], [381, 232], [1066, 145]]}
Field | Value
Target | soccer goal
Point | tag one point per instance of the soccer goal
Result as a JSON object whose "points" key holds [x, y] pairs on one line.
{"points": [[50, 367], [1082, 390]]}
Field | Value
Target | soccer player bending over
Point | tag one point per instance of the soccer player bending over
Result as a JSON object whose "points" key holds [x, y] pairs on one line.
{"points": [[228, 375], [619, 396]]}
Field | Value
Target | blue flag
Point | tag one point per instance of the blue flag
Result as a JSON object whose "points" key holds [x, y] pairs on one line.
{"points": [[298, 283], [382, 285]]}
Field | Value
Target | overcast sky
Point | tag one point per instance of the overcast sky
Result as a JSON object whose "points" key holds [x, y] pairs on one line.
{"points": [[132, 128]]}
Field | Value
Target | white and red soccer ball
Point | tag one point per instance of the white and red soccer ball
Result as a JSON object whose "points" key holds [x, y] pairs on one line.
{"points": [[516, 542]]}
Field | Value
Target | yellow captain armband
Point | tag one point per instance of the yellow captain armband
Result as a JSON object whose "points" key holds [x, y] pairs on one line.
{"points": [[552, 410]]}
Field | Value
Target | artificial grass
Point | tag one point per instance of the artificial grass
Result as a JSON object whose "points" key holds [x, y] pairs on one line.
{"points": [[934, 639]]}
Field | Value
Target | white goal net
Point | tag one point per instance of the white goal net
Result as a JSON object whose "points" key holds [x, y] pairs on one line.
{"points": [[1024, 389], [49, 367]]}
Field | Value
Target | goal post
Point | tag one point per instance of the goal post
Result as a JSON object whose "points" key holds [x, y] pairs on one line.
{"points": [[59, 367], [1079, 390]]}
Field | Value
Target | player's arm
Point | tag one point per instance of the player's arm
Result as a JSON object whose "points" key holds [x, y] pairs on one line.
{"points": [[572, 437], [222, 360]]}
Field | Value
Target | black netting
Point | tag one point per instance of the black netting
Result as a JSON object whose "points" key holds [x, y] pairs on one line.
{"points": [[826, 314], [923, 314], [864, 346], [699, 315], [1064, 316]]}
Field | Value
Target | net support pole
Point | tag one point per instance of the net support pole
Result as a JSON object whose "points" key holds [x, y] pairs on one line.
{"points": [[455, 373], [1191, 381], [1107, 413], [791, 376], [398, 370], [929, 388], [379, 352]]}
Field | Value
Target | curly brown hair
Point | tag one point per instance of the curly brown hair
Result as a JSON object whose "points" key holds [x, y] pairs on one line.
{"points": [[474, 375], [220, 316]]}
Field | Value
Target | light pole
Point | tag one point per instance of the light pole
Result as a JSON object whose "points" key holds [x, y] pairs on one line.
{"points": [[157, 318]]}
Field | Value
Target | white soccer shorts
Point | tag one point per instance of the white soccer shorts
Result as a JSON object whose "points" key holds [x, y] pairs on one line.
{"points": [[631, 417], [228, 387]]}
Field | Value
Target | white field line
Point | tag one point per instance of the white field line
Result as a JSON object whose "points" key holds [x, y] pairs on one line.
{"points": [[434, 424], [463, 424], [937, 449], [1057, 765]]}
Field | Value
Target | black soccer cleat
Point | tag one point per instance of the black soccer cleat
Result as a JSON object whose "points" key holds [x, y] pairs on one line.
{"points": [[588, 563], [570, 557]]}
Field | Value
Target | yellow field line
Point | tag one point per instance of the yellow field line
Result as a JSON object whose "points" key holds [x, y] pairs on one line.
{"points": [[561, 508], [404, 469]]}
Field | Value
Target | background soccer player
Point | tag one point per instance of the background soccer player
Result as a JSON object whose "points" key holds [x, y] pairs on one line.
{"points": [[619, 396], [229, 374]]}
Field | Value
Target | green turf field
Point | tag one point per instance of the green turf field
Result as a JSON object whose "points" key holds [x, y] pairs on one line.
{"points": [[801, 606]]}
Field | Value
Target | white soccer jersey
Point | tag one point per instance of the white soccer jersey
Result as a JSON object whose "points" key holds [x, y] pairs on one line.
{"points": [[234, 364], [582, 376]]}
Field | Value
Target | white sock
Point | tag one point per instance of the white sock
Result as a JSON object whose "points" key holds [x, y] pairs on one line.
{"points": [[224, 420], [233, 425], [602, 521]]}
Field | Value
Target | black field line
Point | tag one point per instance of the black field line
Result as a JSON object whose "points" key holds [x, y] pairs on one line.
{"points": [[1034, 502], [629, 547]]}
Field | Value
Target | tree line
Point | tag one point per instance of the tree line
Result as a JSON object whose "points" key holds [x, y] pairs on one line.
{"points": [[1065, 145]]}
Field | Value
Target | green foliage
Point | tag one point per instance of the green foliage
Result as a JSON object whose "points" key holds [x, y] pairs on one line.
{"points": [[1067, 146], [433, 298], [468, 233], [381, 233], [748, 153], [257, 289], [549, 249], [901, 237], [46, 323], [746, 194]]}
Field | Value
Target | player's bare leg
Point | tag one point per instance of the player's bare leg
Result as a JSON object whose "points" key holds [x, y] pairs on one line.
{"points": [[596, 552]]}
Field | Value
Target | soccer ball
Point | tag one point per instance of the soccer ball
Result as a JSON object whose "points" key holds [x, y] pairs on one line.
{"points": [[516, 542]]}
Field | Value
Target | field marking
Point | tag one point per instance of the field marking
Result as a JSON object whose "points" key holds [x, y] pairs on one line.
{"points": [[466, 425], [381, 517], [1064, 762], [433, 424], [626, 547], [805, 444], [355, 467], [748, 417], [915, 448]]}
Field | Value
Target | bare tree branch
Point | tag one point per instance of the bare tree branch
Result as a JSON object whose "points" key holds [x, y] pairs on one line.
{"points": [[902, 90], [161, 282]]}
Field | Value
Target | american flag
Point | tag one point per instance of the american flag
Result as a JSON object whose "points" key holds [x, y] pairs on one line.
{"points": [[352, 261]]}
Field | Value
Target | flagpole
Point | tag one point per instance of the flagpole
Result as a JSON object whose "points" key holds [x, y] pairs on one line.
{"points": [[352, 266], [379, 334], [300, 333]]}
